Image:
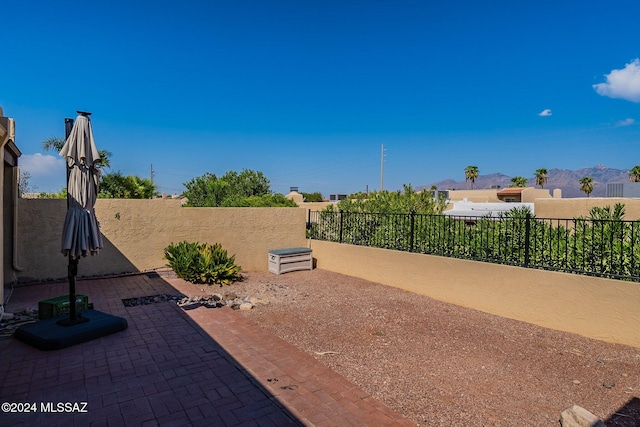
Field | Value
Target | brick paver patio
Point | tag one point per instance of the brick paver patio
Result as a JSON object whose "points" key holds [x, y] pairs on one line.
{"points": [[174, 367]]}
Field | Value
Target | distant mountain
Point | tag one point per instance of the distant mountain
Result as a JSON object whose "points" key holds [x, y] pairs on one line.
{"points": [[567, 180]]}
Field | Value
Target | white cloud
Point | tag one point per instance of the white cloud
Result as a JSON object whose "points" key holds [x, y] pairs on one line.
{"points": [[545, 113], [47, 172], [41, 165], [624, 83], [625, 122]]}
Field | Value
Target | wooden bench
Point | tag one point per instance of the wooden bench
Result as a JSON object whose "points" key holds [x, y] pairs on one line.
{"points": [[290, 259]]}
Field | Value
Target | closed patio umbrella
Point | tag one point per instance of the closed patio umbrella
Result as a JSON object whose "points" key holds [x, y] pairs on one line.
{"points": [[80, 237], [81, 233]]}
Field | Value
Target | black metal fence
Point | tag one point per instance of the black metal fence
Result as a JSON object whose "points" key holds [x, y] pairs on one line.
{"points": [[597, 247]]}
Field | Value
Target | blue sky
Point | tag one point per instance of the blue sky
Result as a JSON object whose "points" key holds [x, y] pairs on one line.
{"points": [[308, 91]]}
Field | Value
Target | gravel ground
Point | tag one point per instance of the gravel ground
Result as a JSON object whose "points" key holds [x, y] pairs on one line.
{"points": [[441, 364]]}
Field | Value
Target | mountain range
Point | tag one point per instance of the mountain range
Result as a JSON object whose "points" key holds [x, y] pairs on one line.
{"points": [[566, 180]]}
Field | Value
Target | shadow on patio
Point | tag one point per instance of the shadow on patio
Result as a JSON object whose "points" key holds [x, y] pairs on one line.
{"points": [[174, 367]]}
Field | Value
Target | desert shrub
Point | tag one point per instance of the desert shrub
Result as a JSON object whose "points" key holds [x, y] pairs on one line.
{"points": [[202, 263]]}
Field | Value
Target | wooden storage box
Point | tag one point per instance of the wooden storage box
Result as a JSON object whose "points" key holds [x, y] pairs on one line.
{"points": [[290, 259]]}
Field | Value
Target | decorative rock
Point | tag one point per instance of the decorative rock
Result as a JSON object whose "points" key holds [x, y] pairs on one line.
{"points": [[231, 300], [257, 301], [577, 416]]}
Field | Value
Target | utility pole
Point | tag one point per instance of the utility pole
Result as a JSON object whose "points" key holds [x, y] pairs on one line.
{"points": [[153, 173], [382, 168]]}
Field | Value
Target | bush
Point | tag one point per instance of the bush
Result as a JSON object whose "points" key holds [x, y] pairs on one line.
{"points": [[312, 197], [202, 263]]}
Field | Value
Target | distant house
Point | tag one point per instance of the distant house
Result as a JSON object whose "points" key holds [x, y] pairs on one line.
{"points": [[510, 195], [295, 196], [623, 189], [470, 210]]}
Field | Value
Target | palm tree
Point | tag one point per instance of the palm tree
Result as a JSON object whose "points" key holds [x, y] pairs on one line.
{"points": [[586, 185], [471, 174], [55, 143], [518, 181], [541, 177], [634, 174]]}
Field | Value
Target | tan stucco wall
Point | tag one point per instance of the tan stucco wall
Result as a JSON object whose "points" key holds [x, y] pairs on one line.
{"points": [[478, 196], [603, 309], [575, 207], [315, 206], [530, 194], [137, 231]]}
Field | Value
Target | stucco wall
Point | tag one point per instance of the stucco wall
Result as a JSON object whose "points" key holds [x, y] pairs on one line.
{"points": [[574, 207], [530, 194], [137, 231], [478, 196], [603, 309]]}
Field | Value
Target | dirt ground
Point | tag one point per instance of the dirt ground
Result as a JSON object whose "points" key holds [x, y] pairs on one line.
{"points": [[441, 364]]}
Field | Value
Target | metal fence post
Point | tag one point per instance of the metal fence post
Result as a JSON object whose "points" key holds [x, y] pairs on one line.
{"points": [[411, 236], [527, 238], [340, 230]]}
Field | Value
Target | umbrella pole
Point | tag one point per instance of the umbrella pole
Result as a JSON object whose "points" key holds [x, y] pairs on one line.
{"points": [[74, 318], [72, 273]]}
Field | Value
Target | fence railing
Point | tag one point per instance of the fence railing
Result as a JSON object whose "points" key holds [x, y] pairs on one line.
{"points": [[605, 248]]}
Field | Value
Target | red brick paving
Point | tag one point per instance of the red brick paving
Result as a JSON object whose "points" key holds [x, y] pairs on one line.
{"points": [[175, 367]]}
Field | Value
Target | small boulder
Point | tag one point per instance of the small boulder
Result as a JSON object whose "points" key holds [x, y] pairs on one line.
{"points": [[577, 416], [246, 306]]}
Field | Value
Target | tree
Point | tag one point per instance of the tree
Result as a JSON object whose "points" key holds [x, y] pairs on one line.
{"points": [[541, 177], [586, 185], [56, 144], [634, 174], [471, 174], [117, 186], [62, 194], [312, 197], [24, 186], [397, 202], [518, 181], [245, 189], [247, 183]]}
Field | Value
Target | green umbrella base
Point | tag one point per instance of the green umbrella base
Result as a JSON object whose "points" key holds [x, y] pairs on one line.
{"points": [[49, 334]]}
